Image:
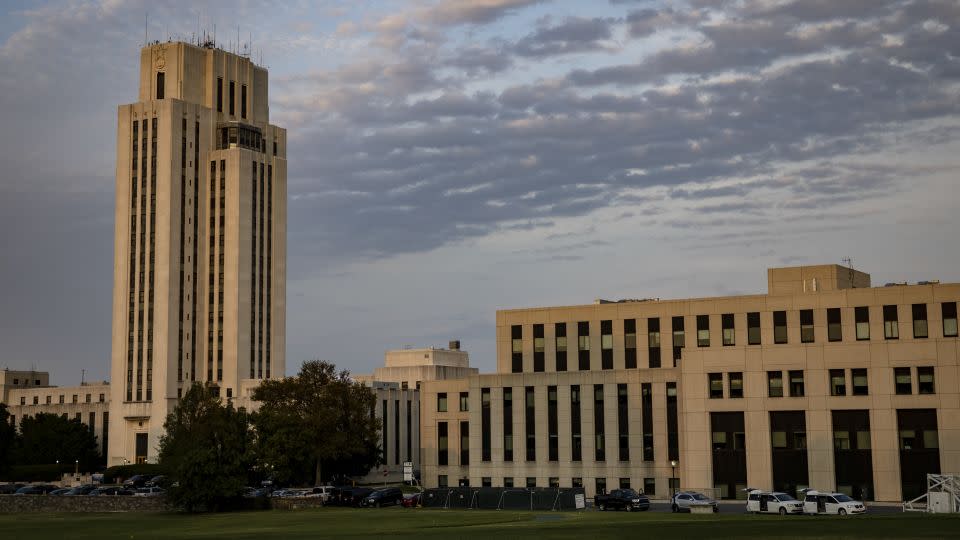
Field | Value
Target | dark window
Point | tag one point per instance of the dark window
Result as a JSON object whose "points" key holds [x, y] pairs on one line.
{"points": [[243, 101], [902, 383], [834, 329], [464, 443], [703, 330], [715, 385], [624, 483], [553, 440], [736, 384], [779, 326], [729, 332], [560, 331], [859, 382], [679, 339], [853, 461], [160, 84], [646, 419], [606, 344], [653, 342], [442, 481], [531, 423], [441, 402], [485, 441], [919, 449], [623, 425], [673, 435], [891, 326], [775, 383], [796, 383], [598, 422], [531, 482], [949, 310], [650, 486], [508, 424], [516, 348], [753, 328], [508, 481], [806, 326], [601, 486], [464, 401], [925, 381], [219, 94], [919, 321], [583, 345], [576, 444], [838, 382], [862, 318], [630, 343], [441, 441], [232, 98], [538, 349], [486, 481]]}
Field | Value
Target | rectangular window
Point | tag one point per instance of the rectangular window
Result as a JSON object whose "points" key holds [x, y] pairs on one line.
{"points": [[653, 342], [553, 482], [650, 486], [160, 84], [630, 343], [703, 330], [485, 441], [441, 443], [891, 326], [598, 423], [925, 382], [623, 424], [538, 348], [624, 483], [583, 345], [442, 481], [576, 444], [442, 402], [862, 318], [729, 331], [736, 384], [601, 486], [508, 424], [531, 423], [859, 382], [715, 385], [902, 383], [919, 321], [646, 419], [753, 328], [220, 94], [576, 482], [673, 430], [834, 329], [232, 98], [780, 327], [949, 310], [464, 443], [606, 344], [508, 481], [796, 383], [838, 382], [775, 383], [464, 401], [560, 331], [516, 348], [486, 481], [553, 435], [679, 339], [806, 326], [243, 101]]}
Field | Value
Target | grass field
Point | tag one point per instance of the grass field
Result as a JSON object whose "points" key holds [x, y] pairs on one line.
{"points": [[402, 523]]}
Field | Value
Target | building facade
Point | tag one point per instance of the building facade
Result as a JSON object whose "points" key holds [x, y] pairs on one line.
{"points": [[823, 382], [200, 239]]}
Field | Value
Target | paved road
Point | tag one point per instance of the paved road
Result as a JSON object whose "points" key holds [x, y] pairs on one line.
{"points": [[738, 508]]}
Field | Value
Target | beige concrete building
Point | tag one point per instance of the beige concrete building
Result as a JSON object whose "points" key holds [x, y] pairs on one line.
{"points": [[29, 393], [200, 248], [824, 382]]}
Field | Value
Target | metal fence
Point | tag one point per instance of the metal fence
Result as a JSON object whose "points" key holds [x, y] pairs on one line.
{"points": [[502, 498]]}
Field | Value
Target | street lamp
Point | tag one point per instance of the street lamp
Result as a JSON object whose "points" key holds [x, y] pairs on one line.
{"points": [[673, 476], [76, 471]]}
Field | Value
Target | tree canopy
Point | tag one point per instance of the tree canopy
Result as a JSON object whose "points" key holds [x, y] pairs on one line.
{"points": [[207, 451], [48, 438], [8, 435], [316, 425]]}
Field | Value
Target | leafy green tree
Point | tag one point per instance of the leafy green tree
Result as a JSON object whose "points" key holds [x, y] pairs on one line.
{"points": [[8, 436], [47, 438], [316, 424], [206, 449]]}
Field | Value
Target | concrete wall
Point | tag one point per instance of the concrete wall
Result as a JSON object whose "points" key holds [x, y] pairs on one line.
{"points": [[20, 504]]}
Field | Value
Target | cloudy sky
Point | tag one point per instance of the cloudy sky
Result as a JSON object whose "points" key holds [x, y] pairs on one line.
{"points": [[449, 158]]}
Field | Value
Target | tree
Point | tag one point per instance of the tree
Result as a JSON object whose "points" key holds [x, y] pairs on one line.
{"points": [[49, 438], [206, 449], [316, 422], [8, 436]]}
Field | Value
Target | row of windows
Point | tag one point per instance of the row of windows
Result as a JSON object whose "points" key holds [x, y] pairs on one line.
{"points": [[530, 482], [49, 399], [794, 384], [26, 382], [703, 334], [232, 102]]}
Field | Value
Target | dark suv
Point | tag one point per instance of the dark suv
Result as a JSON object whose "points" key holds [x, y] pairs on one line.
{"points": [[384, 497], [626, 499]]}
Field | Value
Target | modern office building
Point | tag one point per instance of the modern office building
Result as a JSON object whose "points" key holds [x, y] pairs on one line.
{"points": [[29, 393], [200, 239], [824, 382]]}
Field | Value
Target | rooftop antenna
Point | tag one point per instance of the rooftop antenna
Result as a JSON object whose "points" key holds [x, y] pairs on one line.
{"points": [[83, 376], [849, 263], [146, 17]]}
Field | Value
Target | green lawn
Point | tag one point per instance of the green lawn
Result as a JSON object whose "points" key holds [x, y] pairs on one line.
{"points": [[404, 523]]}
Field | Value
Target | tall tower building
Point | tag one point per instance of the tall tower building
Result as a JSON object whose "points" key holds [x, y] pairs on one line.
{"points": [[200, 250]]}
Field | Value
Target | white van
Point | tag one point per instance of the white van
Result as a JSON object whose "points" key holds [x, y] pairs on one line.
{"points": [[320, 492], [772, 502], [816, 502]]}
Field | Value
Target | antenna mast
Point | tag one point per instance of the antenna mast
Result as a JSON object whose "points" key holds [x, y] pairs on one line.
{"points": [[849, 263]]}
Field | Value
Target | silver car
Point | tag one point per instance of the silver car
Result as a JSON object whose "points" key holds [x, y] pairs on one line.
{"points": [[683, 500]]}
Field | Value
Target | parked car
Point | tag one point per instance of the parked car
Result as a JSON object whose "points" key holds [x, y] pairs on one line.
{"points": [[9, 489], [772, 502], [411, 501], [81, 490], [150, 492], [816, 502], [61, 491], [110, 490], [159, 480], [626, 499], [136, 481], [321, 492], [37, 489], [683, 500], [354, 496], [383, 497]]}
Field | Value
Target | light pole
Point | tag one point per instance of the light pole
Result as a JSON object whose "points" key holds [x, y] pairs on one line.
{"points": [[76, 469], [673, 475]]}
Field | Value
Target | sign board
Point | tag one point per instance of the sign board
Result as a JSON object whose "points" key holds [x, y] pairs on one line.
{"points": [[408, 471], [580, 501]]}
